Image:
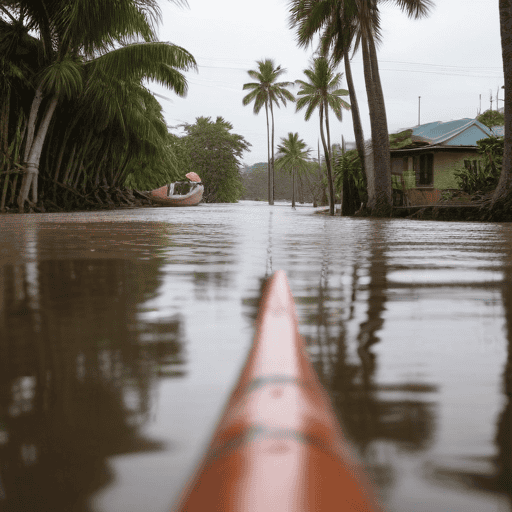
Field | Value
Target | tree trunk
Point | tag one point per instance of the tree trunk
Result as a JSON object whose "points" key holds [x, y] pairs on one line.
{"points": [[381, 150], [61, 155], [327, 161], [69, 167], [6, 165], [329, 149], [32, 119], [270, 184], [29, 181], [504, 188], [273, 176], [293, 187], [373, 167], [356, 118], [20, 135]]}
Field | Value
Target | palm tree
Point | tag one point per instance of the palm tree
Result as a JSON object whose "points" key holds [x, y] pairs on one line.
{"points": [[322, 91], [337, 39], [504, 189], [341, 21], [115, 39], [293, 156], [266, 91]]}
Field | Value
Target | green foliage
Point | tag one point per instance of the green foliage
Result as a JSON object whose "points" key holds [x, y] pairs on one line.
{"points": [[256, 185], [484, 177], [266, 90], [348, 166], [492, 118], [400, 140], [155, 169], [213, 152], [321, 89], [108, 130], [293, 154]]}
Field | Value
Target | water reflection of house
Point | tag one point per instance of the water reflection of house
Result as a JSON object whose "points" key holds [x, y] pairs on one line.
{"points": [[425, 167]]}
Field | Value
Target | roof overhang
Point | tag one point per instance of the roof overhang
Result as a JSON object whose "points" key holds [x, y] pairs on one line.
{"points": [[433, 149]]}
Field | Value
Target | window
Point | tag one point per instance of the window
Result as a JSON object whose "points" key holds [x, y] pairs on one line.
{"points": [[424, 169]]}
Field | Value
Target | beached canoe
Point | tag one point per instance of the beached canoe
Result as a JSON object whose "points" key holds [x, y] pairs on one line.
{"points": [[165, 195], [278, 446], [190, 196]]}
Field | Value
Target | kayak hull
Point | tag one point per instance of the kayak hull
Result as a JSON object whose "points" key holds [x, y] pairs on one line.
{"points": [[278, 446]]}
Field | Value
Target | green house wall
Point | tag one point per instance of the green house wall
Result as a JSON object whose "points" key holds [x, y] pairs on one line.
{"points": [[445, 164]]}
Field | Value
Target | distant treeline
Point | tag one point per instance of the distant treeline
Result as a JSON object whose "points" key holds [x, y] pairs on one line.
{"points": [[308, 186]]}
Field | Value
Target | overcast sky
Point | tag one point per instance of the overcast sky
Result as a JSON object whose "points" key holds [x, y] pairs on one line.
{"points": [[449, 59]]}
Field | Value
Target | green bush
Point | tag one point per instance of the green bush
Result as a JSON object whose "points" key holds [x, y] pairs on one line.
{"points": [[485, 175]]}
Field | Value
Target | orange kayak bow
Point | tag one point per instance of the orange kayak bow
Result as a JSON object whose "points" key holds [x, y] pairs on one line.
{"points": [[278, 446]]}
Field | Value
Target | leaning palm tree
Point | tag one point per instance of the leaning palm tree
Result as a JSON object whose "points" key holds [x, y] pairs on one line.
{"points": [[322, 91], [266, 91], [340, 21], [108, 38], [293, 156]]}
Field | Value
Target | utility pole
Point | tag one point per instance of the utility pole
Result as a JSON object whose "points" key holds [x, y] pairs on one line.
{"points": [[419, 107]]}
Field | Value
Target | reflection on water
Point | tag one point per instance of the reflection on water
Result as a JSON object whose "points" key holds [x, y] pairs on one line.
{"points": [[78, 368], [121, 334]]}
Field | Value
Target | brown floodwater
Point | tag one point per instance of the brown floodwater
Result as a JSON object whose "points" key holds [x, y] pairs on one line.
{"points": [[123, 332]]}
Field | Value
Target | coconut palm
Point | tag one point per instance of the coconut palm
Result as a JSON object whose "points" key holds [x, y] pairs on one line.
{"points": [[340, 21], [337, 40], [266, 91], [504, 189], [293, 156], [322, 91], [115, 39]]}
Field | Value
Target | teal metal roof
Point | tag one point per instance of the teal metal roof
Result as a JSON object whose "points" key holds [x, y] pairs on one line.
{"points": [[462, 132], [499, 131]]}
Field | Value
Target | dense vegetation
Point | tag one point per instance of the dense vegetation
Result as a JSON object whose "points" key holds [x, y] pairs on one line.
{"points": [[212, 151], [76, 120], [310, 186], [482, 176]]}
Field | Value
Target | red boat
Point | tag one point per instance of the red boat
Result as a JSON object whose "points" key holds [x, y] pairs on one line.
{"points": [[278, 446], [191, 196]]}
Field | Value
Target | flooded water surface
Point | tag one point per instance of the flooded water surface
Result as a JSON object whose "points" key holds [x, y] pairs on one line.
{"points": [[123, 332]]}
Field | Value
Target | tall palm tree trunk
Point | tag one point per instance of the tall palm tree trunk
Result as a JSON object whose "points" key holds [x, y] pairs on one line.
{"points": [[293, 187], [504, 187], [371, 94], [327, 161], [356, 118], [273, 176], [29, 182], [329, 149], [270, 184], [382, 155]]}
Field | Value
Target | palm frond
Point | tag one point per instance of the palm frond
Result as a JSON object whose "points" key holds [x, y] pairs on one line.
{"points": [[63, 78], [414, 8], [154, 61]]}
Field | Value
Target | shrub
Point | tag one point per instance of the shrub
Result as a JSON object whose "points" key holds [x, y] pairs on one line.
{"points": [[484, 176]]}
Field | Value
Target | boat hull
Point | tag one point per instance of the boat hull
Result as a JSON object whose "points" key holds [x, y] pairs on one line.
{"points": [[278, 446], [193, 198]]}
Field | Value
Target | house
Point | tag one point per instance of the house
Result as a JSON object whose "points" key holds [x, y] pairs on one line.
{"points": [[425, 165]]}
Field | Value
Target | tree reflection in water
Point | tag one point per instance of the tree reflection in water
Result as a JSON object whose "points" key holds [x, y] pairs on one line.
{"points": [[77, 371], [492, 474], [345, 363]]}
